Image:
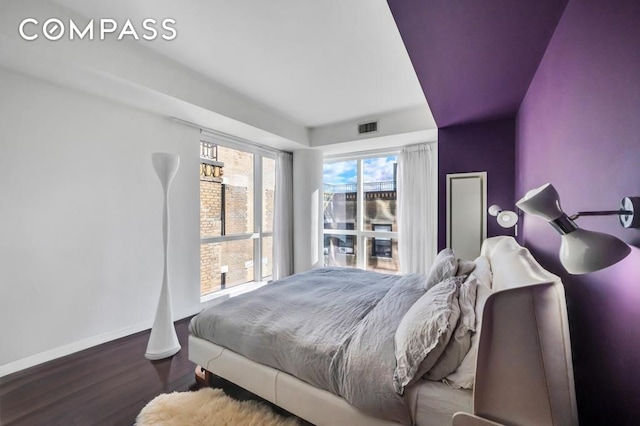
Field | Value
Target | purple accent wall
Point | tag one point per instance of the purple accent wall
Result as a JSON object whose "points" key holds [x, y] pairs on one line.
{"points": [[579, 128], [475, 58], [487, 146]]}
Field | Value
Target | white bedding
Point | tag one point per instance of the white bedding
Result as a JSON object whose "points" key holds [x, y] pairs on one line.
{"points": [[334, 328]]}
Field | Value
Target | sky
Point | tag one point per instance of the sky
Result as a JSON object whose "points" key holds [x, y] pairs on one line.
{"points": [[378, 169]]}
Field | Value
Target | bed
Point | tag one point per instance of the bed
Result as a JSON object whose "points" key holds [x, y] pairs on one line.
{"points": [[523, 371]]}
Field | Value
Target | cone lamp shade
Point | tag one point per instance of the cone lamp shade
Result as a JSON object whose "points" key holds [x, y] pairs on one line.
{"points": [[543, 202], [581, 251], [505, 218], [494, 210], [163, 341]]}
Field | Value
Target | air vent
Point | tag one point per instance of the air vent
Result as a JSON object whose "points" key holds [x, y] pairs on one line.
{"points": [[367, 127]]}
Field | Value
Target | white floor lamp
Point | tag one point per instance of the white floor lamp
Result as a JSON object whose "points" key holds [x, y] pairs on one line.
{"points": [[163, 341]]}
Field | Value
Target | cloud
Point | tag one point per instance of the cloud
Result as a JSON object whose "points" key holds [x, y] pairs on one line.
{"points": [[379, 169], [340, 172]]}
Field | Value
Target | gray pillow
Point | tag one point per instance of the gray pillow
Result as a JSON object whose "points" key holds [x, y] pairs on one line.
{"points": [[465, 267], [467, 297], [460, 342], [424, 331], [464, 376], [444, 266]]}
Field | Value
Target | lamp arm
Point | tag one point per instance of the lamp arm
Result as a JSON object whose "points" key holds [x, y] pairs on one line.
{"points": [[601, 213]]}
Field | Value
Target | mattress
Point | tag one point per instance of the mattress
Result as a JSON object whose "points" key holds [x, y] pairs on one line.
{"points": [[432, 403]]}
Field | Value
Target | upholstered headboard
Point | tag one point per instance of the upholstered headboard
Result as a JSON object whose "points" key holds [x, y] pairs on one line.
{"points": [[524, 373]]}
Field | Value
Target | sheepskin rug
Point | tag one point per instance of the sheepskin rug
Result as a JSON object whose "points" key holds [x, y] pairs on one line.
{"points": [[208, 407]]}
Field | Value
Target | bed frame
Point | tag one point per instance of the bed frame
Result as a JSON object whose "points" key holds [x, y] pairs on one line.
{"points": [[524, 373]]}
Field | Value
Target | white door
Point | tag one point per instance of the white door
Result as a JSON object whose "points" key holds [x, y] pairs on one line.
{"points": [[466, 213]]}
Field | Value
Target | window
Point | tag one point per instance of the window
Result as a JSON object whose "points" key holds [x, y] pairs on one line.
{"points": [[382, 247], [235, 241], [268, 199], [343, 244], [360, 226]]}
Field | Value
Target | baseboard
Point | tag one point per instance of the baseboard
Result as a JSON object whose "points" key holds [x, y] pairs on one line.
{"points": [[83, 344]]}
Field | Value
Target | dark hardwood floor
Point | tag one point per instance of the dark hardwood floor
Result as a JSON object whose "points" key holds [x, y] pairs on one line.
{"points": [[104, 385]]}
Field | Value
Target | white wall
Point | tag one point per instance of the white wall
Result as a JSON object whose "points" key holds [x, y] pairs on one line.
{"points": [[80, 220], [307, 208]]}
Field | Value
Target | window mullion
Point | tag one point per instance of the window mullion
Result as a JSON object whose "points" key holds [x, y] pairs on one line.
{"points": [[361, 245], [225, 238], [257, 216]]}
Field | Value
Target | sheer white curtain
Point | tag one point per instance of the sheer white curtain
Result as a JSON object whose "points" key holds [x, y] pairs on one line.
{"points": [[283, 217], [417, 195]]}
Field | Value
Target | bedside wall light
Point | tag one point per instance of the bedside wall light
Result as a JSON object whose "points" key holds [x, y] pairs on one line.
{"points": [[505, 218], [582, 251]]}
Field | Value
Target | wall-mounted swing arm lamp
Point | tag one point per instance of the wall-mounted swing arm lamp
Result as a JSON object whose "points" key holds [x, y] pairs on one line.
{"points": [[505, 218], [582, 251]]}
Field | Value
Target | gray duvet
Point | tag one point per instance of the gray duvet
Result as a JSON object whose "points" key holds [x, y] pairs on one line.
{"points": [[333, 328]]}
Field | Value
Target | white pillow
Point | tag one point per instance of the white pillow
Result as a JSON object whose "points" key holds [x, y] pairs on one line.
{"points": [[460, 342], [444, 266], [483, 271], [464, 376], [424, 331]]}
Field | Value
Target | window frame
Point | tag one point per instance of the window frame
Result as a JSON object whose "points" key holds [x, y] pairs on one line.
{"points": [[359, 234], [258, 152]]}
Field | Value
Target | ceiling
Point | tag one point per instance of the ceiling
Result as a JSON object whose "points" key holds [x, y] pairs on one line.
{"points": [[476, 59], [297, 74], [316, 62]]}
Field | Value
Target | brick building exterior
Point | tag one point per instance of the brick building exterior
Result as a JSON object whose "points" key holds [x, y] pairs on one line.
{"points": [[379, 215], [232, 261]]}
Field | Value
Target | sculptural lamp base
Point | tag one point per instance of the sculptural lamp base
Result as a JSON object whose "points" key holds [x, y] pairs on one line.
{"points": [[163, 341], [154, 356], [162, 355]]}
